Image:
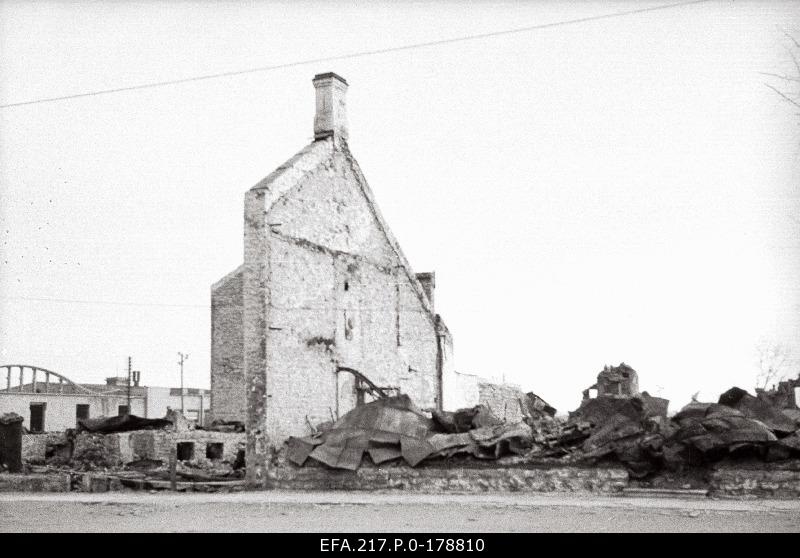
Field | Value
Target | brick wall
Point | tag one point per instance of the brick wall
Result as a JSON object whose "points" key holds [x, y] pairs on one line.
{"points": [[227, 368]]}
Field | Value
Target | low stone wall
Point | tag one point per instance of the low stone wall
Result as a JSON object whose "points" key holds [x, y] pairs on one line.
{"points": [[725, 483], [450, 479], [50, 482], [772, 481], [94, 482]]}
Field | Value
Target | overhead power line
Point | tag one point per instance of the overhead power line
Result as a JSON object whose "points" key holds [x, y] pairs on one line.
{"points": [[355, 54], [109, 302], [374, 309]]}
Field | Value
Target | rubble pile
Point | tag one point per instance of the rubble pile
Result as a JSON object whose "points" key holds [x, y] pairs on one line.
{"points": [[739, 424], [132, 447], [635, 431], [620, 424], [94, 451], [392, 428]]}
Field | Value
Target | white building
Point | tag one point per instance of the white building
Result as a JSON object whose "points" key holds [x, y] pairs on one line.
{"points": [[49, 401]]}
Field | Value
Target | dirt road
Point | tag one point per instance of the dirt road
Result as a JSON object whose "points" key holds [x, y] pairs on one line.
{"points": [[342, 512]]}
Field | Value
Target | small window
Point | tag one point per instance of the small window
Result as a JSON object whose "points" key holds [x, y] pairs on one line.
{"points": [[81, 412], [185, 451], [214, 451], [37, 417], [122, 410], [347, 285]]}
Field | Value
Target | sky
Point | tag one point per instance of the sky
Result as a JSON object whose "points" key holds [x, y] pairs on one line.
{"points": [[622, 189]]}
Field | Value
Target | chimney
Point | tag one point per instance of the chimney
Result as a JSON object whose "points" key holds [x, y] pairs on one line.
{"points": [[331, 116], [428, 281]]}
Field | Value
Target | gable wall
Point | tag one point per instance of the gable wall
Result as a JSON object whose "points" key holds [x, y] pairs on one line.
{"points": [[322, 237]]}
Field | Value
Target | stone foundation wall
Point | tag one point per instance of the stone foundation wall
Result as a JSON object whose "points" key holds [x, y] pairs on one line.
{"points": [[771, 482], [729, 482], [53, 482], [451, 479]]}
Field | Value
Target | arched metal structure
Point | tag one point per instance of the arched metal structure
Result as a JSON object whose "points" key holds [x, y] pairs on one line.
{"points": [[15, 374]]}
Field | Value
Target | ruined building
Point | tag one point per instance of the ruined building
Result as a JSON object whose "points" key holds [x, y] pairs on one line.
{"points": [[324, 285], [786, 395], [615, 381]]}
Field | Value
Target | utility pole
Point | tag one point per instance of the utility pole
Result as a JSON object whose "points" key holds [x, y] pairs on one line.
{"points": [[184, 357], [129, 386]]}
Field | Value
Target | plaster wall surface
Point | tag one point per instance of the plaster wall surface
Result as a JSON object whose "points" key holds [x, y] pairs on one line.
{"points": [[504, 400], [60, 410]]}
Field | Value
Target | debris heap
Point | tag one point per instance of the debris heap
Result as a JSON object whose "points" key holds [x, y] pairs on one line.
{"points": [[393, 428], [620, 424], [635, 431]]}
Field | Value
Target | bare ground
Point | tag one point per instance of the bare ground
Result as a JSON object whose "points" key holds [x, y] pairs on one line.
{"points": [[343, 512]]}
